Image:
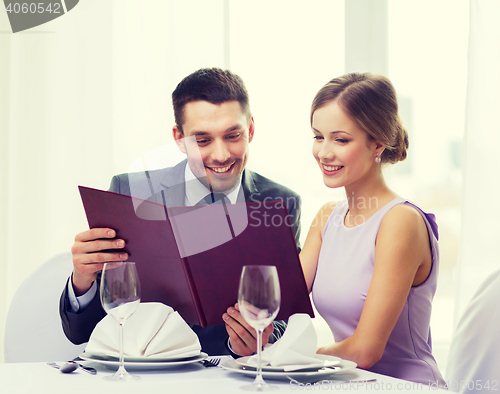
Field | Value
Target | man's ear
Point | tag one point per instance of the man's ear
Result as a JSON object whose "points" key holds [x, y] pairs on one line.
{"points": [[251, 129], [179, 139]]}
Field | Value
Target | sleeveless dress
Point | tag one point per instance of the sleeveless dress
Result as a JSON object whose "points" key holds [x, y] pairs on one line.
{"points": [[344, 273]]}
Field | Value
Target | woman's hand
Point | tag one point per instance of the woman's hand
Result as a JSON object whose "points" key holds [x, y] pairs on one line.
{"points": [[328, 350], [352, 349]]}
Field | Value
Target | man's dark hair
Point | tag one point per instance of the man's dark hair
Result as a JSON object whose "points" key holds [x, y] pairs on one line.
{"points": [[209, 84]]}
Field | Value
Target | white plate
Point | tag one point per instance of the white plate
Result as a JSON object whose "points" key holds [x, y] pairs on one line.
{"points": [[344, 366], [143, 363], [331, 361], [175, 357]]}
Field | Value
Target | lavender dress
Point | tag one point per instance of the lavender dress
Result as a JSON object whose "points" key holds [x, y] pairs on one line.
{"points": [[344, 273]]}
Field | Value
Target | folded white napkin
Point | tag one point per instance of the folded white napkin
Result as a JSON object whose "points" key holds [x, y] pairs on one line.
{"points": [[296, 349], [154, 331]]}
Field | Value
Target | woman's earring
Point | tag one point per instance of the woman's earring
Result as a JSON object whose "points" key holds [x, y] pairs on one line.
{"points": [[377, 159]]}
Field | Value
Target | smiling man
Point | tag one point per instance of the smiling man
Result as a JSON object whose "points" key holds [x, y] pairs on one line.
{"points": [[214, 128], [222, 132]]}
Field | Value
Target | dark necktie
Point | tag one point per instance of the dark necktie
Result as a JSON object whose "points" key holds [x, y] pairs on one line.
{"points": [[212, 198]]}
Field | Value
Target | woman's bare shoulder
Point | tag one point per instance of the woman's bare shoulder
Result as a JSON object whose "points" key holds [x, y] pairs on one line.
{"points": [[404, 218], [404, 214]]}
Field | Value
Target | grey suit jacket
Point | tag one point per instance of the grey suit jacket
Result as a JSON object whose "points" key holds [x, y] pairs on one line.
{"points": [[166, 186]]}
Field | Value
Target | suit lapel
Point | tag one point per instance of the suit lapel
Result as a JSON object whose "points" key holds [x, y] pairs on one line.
{"points": [[173, 187], [248, 186]]}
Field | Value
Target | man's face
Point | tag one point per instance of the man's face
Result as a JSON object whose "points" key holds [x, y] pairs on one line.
{"points": [[222, 133]]}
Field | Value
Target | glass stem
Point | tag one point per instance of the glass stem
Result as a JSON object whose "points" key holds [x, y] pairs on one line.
{"points": [[258, 378], [121, 369]]}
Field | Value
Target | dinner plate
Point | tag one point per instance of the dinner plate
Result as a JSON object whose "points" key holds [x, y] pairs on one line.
{"points": [[145, 363], [174, 357], [323, 361], [344, 366]]}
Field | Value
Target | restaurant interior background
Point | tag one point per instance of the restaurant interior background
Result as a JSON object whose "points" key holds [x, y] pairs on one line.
{"points": [[85, 95]]}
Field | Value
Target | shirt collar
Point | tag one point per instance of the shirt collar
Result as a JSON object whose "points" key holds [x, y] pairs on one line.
{"points": [[195, 190]]}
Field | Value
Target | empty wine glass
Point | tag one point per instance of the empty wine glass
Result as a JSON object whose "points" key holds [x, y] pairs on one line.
{"points": [[259, 302], [120, 297]]}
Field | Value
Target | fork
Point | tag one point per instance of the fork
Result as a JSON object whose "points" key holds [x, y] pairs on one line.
{"points": [[214, 362]]}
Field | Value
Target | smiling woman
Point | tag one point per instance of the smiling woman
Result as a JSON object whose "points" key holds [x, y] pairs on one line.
{"points": [[347, 128], [372, 269], [338, 152]]}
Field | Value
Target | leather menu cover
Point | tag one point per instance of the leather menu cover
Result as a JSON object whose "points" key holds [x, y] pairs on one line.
{"points": [[150, 244], [191, 258]]}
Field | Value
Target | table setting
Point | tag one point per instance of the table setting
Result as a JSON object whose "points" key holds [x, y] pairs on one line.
{"points": [[156, 350], [293, 356], [156, 337]]}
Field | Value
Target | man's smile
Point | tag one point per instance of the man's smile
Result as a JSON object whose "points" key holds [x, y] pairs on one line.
{"points": [[220, 169]]}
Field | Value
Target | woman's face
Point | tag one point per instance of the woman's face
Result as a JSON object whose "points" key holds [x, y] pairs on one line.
{"points": [[344, 152]]}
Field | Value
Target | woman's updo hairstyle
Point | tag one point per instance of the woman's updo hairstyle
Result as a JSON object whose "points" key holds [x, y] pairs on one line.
{"points": [[371, 101]]}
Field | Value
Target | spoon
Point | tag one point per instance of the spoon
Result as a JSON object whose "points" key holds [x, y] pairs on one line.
{"points": [[69, 367]]}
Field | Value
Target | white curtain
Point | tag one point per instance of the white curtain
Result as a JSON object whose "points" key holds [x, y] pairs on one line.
{"points": [[480, 240], [80, 98]]}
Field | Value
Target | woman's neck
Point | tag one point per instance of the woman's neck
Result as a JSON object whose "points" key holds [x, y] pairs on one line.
{"points": [[366, 199]]}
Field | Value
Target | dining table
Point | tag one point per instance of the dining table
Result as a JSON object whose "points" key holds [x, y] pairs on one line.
{"points": [[40, 378]]}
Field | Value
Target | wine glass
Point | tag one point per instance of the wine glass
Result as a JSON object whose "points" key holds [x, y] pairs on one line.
{"points": [[120, 297], [259, 302]]}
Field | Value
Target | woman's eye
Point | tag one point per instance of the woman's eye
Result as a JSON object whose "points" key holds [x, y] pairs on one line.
{"points": [[342, 140], [318, 137]]}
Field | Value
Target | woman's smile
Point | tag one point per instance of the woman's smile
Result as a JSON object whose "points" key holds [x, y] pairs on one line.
{"points": [[331, 170]]}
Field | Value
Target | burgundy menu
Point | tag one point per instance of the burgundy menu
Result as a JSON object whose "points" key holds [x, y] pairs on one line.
{"points": [[191, 258]]}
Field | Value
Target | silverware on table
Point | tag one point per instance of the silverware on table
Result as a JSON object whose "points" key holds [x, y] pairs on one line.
{"points": [[71, 366], [214, 362], [65, 368]]}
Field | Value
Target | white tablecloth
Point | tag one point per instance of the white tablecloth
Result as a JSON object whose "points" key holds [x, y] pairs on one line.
{"points": [[39, 378]]}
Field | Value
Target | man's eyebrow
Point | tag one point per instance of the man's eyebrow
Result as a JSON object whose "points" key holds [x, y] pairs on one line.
{"points": [[228, 130], [234, 128]]}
